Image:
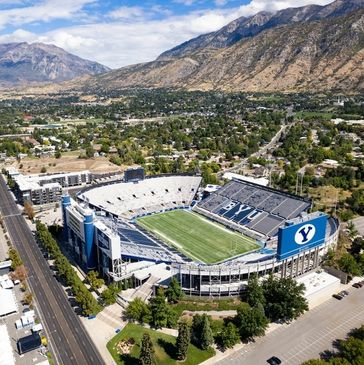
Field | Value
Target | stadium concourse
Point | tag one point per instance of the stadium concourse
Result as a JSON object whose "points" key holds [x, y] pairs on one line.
{"points": [[212, 245]]}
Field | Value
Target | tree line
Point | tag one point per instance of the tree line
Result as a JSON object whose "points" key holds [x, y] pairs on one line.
{"points": [[65, 271]]}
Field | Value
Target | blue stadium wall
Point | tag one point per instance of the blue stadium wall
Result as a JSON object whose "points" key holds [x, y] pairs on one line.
{"points": [[296, 238]]}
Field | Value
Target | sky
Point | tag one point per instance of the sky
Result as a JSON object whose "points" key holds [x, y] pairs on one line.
{"points": [[117, 32]]}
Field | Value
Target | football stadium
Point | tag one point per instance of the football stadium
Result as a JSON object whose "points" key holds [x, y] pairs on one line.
{"points": [[150, 228]]}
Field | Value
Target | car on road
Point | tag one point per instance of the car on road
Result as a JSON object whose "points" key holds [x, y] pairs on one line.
{"points": [[344, 293], [274, 360], [338, 296]]}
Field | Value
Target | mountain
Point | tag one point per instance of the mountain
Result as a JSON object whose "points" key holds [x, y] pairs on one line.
{"points": [[23, 63], [249, 27], [311, 48]]}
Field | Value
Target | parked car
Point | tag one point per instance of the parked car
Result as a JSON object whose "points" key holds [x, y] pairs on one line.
{"points": [[274, 360], [357, 285], [338, 296], [344, 293]]}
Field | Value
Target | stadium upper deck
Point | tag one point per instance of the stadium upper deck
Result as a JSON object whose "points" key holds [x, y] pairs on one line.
{"points": [[258, 208], [132, 199]]}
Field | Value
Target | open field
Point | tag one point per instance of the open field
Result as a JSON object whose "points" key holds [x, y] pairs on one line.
{"points": [[327, 196], [67, 163], [164, 346], [196, 236]]}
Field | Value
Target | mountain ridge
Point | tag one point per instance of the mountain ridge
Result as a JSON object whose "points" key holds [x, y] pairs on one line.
{"points": [[319, 55], [24, 63], [245, 27]]}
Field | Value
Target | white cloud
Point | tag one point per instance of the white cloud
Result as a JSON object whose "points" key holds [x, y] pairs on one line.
{"points": [[44, 11], [221, 2], [256, 6], [119, 43], [127, 12], [185, 2]]}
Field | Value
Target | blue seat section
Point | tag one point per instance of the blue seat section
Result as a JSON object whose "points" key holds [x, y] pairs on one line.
{"points": [[259, 208], [241, 215], [253, 215], [136, 237], [230, 213], [226, 208]]}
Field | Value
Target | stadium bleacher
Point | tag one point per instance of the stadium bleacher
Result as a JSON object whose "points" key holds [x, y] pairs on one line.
{"points": [[259, 208], [134, 236], [133, 199]]}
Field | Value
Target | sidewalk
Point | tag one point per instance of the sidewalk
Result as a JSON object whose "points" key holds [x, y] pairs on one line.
{"points": [[103, 328], [213, 314]]}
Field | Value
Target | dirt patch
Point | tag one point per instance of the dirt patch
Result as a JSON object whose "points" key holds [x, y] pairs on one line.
{"points": [[66, 164], [124, 347]]}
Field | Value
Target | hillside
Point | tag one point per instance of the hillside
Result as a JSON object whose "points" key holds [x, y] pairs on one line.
{"points": [[326, 54]]}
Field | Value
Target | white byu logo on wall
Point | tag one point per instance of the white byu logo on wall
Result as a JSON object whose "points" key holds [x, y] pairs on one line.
{"points": [[305, 234]]}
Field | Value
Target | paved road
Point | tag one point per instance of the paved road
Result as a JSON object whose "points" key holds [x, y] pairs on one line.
{"points": [[261, 152], [307, 337], [70, 342]]}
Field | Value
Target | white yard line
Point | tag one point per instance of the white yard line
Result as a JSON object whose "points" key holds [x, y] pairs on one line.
{"points": [[174, 243]]}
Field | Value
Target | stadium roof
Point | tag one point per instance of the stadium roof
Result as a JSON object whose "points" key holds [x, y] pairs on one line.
{"points": [[6, 353], [259, 181], [159, 271]]}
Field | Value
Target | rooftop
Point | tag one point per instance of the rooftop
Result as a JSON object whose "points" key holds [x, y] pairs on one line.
{"points": [[6, 353]]}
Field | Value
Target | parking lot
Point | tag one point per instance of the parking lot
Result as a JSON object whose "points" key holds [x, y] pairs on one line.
{"points": [[32, 357], [307, 337]]}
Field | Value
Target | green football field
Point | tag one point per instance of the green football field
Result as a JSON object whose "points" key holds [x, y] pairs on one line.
{"points": [[197, 237]]}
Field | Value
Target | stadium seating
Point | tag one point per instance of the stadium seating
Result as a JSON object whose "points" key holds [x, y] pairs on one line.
{"points": [[259, 208], [133, 199]]}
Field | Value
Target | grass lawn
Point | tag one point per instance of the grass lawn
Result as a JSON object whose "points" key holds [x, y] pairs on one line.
{"points": [[164, 346], [320, 115], [196, 236]]}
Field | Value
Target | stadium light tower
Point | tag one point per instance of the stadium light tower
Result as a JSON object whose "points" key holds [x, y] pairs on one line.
{"points": [[299, 183]]}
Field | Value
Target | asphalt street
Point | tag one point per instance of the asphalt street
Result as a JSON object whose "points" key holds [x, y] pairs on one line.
{"points": [[304, 339], [70, 342]]}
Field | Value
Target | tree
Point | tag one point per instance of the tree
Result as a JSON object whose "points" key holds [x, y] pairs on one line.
{"points": [[93, 279], [352, 350], [229, 336], [183, 341], [146, 356], [254, 292], [348, 264], [15, 258], [207, 337], [161, 314], [356, 201], [137, 310], [27, 298], [284, 298], [358, 333], [174, 291], [43, 170], [339, 361], [251, 322], [108, 296], [90, 152], [20, 273], [85, 299], [29, 210]]}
